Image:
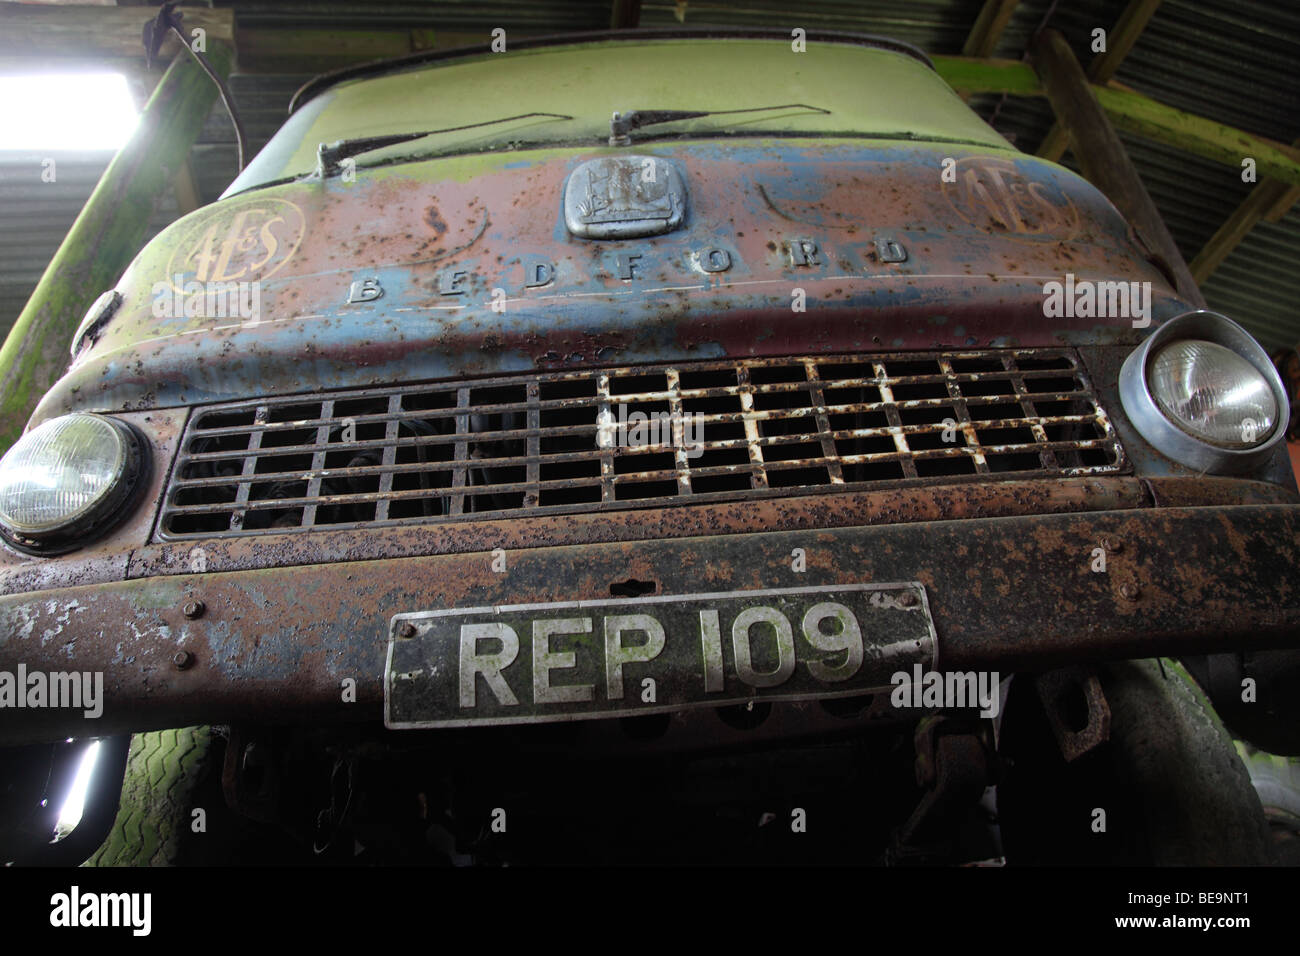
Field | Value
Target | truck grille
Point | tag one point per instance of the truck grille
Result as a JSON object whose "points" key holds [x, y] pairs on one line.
{"points": [[634, 437]]}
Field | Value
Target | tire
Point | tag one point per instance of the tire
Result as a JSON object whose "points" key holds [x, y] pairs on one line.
{"points": [[1173, 790], [169, 774]]}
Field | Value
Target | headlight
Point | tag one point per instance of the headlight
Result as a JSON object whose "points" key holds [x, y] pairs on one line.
{"points": [[1203, 392], [65, 480], [1213, 393]]}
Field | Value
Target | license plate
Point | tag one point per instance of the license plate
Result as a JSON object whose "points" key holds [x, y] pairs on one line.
{"points": [[578, 660]]}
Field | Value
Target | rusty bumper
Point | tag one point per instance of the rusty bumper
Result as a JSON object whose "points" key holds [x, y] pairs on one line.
{"points": [[288, 644]]}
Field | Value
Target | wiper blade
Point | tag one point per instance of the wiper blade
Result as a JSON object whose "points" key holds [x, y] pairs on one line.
{"points": [[330, 156], [622, 124]]}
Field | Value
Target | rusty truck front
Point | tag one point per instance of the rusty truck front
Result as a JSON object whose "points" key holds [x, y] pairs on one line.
{"points": [[647, 395]]}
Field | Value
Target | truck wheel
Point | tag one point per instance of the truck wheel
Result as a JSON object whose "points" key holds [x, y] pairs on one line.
{"points": [[166, 770], [1167, 788]]}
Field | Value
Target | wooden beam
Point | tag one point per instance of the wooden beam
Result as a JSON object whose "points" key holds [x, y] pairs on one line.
{"points": [[1235, 228], [105, 237], [989, 26], [1119, 42], [1268, 198], [1138, 114], [1283, 205], [80, 38], [1101, 155], [56, 37], [1135, 113], [625, 14], [967, 74]]}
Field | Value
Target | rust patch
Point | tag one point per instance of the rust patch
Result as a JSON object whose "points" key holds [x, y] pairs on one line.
{"points": [[276, 644], [434, 220]]}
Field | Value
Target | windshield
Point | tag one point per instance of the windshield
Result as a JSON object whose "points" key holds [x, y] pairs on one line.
{"points": [[858, 91]]}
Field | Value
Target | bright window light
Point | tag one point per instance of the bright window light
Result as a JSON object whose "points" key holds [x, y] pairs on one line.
{"points": [[74, 111], [75, 804]]}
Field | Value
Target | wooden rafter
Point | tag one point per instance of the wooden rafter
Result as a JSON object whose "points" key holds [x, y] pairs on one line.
{"points": [[1101, 156], [1138, 114], [1134, 113], [989, 26], [1119, 42], [1268, 198], [58, 37]]}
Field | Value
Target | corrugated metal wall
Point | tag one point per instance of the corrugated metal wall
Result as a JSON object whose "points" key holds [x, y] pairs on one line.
{"points": [[35, 216]]}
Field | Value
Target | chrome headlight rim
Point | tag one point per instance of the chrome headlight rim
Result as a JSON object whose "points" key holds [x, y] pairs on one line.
{"points": [[104, 514], [1171, 438]]}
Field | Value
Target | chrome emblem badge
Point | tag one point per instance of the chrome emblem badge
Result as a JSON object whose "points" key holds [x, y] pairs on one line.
{"points": [[622, 197]]}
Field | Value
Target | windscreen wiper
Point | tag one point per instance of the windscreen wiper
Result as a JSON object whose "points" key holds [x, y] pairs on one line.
{"points": [[330, 156], [622, 124]]}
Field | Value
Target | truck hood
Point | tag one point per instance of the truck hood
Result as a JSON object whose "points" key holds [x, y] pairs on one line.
{"points": [[464, 266]]}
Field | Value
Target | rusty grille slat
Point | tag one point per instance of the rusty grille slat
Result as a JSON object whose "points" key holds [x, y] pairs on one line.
{"points": [[605, 419], [826, 435], [885, 384], [1022, 393], [623, 438], [758, 469], [461, 472], [681, 453], [543, 406], [813, 414], [389, 460], [237, 514], [651, 475], [318, 464], [532, 495], [953, 384]]}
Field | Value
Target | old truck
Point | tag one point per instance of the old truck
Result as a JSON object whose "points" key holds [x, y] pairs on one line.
{"points": [[655, 446]]}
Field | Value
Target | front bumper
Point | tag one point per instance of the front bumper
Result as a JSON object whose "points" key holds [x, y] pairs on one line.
{"points": [[1007, 593]]}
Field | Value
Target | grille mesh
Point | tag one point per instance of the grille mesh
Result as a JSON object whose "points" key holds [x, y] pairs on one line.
{"points": [[634, 437]]}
